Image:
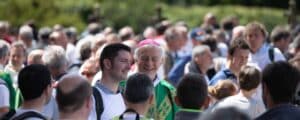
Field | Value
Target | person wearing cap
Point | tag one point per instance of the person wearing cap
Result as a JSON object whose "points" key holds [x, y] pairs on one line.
{"points": [[197, 36], [149, 56]]}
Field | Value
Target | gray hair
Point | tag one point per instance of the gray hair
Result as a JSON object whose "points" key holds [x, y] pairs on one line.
{"points": [[26, 32], [138, 50], [54, 57], [4, 48], [173, 33], [199, 50]]}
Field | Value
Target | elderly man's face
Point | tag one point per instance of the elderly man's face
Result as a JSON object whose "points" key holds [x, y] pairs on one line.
{"points": [[149, 60], [17, 56]]}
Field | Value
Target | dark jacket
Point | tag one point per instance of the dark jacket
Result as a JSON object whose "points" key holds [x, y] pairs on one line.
{"points": [[281, 112]]}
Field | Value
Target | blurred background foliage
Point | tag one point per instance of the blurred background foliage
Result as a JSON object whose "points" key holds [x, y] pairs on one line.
{"points": [[139, 13]]}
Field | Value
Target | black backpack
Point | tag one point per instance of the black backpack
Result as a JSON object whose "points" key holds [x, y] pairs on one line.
{"points": [[271, 54], [98, 103], [26, 115]]}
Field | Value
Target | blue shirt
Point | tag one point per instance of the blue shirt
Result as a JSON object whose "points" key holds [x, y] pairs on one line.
{"points": [[223, 75]]}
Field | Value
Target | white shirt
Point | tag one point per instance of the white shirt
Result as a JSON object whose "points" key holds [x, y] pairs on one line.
{"points": [[71, 54], [131, 116], [251, 106], [51, 109], [13, 73], [223, 49], [4, 95], [261, 57], [113, 104]]}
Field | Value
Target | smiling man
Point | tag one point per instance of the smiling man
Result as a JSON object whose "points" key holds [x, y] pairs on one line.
{"points": [[237, 57], [115, 62], [149, 56]]}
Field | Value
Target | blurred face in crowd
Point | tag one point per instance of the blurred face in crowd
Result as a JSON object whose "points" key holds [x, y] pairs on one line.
{"points": [[255, 38], [89, 69], [4, 59], [204, 60], [177, 44], [149, 60], [17, 56], [283, 44], [120, 65], [239, 58], [59, 38]]}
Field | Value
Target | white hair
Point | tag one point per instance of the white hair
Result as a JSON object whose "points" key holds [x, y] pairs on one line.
{"points": [[199, 50], [138, 50], [54, 57], [26, 31]]}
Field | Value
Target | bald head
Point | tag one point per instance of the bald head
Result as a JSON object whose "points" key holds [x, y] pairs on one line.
{"points": [[72, 91]]}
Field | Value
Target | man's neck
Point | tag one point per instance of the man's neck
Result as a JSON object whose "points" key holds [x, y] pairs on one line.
{"points": [[36, 104], [202, 69], [247, 94], [141, 109], [17, 67], [78, 115], [233, 69], [110, 83]]}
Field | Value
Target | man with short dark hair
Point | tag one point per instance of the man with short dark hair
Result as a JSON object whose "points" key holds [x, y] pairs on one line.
{"points": [[281, 38], [138, 95], [36, 88], [279, 86], [191, 96], [115, 62], [74, 97], [237, 57]]}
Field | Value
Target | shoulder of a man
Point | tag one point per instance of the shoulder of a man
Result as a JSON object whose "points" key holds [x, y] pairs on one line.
{"points": [[28, 115], [164, 83], [219, 75], [281, 113]]}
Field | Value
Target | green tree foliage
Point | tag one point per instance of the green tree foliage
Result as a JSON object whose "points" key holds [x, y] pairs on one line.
{"points": [[193, 15], [135, 13]]}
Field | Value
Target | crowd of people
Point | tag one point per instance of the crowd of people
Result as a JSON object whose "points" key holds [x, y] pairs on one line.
{"points": [[170, 71]]}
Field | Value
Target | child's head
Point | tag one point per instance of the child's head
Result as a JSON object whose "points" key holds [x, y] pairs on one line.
{"points": [[192, 92], [222, 89], [249, 78]]}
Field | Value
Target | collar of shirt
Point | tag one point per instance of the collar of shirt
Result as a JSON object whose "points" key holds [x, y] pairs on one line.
{"points": [[262, 49], [156, 80], [190, 110], [105, 89]]}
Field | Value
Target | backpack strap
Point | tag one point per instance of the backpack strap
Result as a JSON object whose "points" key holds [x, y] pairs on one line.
{"points": [[9, 115], [2, 82], [30, 114], [229, 74], [130, 110], [271, 54], [98, 103]]}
